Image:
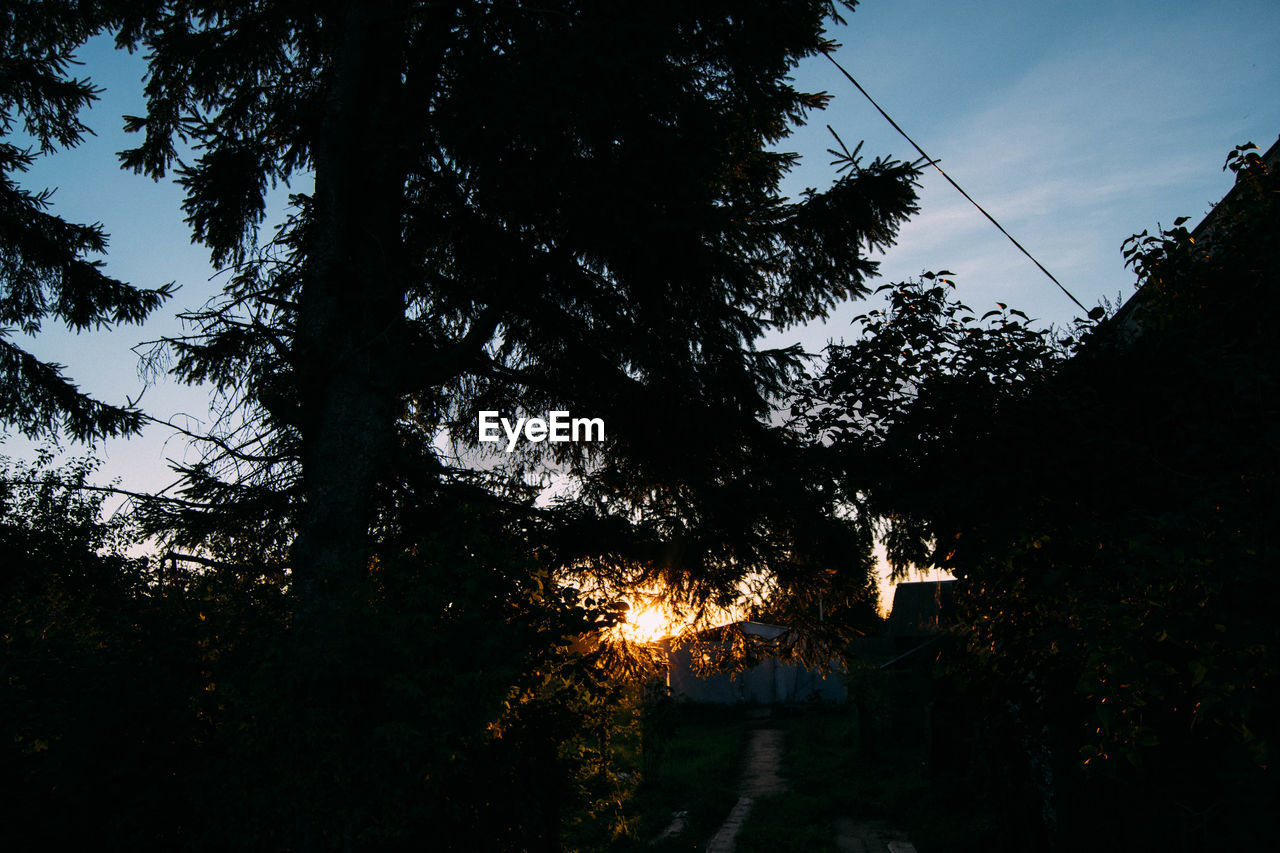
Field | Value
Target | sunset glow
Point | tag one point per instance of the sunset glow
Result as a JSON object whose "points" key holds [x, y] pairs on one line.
{"points": [[651, 619], [647, 623]]}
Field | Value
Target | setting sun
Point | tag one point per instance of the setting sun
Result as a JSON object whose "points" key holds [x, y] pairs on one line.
{"points": [[647, 623], [651, 618]]}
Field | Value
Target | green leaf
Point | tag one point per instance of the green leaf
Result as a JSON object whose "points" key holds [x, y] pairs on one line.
{"points": [[1198, 671]]}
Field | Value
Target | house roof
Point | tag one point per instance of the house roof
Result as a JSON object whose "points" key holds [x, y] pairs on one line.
{"points": [[919, 607], [758, 629], [1129, 317]]}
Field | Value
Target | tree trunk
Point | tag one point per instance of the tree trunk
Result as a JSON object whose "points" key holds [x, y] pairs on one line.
{"points": [[350, 320], [351, 310]]}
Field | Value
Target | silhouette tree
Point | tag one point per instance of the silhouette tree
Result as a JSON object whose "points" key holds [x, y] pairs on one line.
{"points": [[1105, 499], [46, 270], [515, 207]]}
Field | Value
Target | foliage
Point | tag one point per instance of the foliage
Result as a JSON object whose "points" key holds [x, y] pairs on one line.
{"points": [[472, 726], [513, 235], [93, 704], [490, 184], [522, 207], [926, 375], [1107, 515], [46, 266], [833, 782], [162, 706], [695, 772]]}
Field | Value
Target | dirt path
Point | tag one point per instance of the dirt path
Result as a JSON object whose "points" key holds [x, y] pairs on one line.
{"points": [[760, 778]]}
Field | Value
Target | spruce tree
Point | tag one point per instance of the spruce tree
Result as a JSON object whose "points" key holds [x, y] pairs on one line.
{"points": [[521, 207], [516, 207], [47, 266]]}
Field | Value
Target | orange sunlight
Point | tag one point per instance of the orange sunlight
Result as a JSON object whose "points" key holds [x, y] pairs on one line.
{"points": [[651, 619], [647, 623]]}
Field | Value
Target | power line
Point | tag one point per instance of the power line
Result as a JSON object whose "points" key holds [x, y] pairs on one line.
{"points": [[959, 189]]}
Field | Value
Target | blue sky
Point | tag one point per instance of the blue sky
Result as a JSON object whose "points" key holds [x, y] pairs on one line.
{"points": [[1075, 124]]}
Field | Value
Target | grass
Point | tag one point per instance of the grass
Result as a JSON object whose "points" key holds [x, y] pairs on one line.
{"points": [[830, 778], [834, 770], [695, 769], [817, 765]]}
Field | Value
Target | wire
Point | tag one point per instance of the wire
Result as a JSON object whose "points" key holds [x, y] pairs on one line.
{"points": [[959, 189]]}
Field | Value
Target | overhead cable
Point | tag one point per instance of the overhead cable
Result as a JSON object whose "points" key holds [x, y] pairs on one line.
{"points": [[934, 164]]}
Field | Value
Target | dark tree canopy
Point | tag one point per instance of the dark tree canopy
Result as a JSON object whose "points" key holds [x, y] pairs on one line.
{"points": [[1107, 498], [520, 207], [47, 265]]}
